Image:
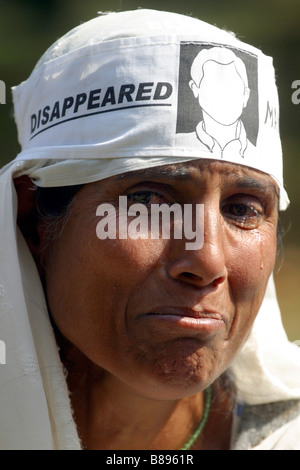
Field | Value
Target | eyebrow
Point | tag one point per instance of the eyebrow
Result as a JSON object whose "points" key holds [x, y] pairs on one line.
{"points": [[168, 173], [244, 182], [248, 182]]}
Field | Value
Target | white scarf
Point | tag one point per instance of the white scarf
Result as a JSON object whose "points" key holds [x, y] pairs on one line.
{"points": [[72, 133]]}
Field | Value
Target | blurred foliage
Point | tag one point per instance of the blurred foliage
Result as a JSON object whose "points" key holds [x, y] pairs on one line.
{"points": [[29, 27]]}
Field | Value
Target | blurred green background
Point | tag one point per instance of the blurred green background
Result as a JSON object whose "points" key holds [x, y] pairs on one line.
{"points": [[29, 27]]}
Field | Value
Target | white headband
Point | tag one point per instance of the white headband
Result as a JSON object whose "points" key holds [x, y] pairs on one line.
{"points": [[164, 86]]}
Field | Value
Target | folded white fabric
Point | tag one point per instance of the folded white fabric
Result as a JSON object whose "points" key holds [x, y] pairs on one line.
{"points": [[122, 92], [151, 84]]}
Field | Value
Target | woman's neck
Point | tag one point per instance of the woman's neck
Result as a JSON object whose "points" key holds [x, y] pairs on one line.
{"points": [[111, 416]]}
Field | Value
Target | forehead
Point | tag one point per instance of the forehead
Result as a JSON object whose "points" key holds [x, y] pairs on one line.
{"points": [[201, 170]]}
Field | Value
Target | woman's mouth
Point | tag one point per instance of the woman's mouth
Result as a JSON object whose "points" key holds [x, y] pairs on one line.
{"points": [[186, 320]]}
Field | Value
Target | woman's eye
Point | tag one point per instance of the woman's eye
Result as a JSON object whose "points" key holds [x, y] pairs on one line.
{"points": [[145, 197], [242, 214]]}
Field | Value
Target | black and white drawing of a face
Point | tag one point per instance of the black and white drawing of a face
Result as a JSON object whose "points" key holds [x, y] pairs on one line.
{"points": [[220, 84], [217, 112]]}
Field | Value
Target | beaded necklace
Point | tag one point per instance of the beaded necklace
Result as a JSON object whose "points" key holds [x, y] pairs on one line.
{"points": [[202, 423]]}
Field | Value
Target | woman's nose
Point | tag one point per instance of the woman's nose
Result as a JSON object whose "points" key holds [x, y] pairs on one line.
{"points": [[205, 266]]}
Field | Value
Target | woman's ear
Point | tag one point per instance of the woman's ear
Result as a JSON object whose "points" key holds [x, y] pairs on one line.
{"points": [[27, 214]]}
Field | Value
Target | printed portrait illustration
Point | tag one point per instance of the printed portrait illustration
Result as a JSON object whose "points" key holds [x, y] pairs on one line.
{"points": [[217, 100]]}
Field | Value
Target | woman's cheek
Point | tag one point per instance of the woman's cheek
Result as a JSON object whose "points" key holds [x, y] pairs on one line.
{"points": [[251, 260]]}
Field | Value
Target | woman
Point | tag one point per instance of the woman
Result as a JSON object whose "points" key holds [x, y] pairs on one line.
{"points": [[162, 345]]}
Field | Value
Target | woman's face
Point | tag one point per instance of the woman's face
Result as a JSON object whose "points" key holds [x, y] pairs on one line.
{"points": [[162, 319]]}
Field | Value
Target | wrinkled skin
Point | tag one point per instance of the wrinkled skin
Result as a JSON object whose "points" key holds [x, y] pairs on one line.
{"points": [[129, 305], [145, 325]]}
